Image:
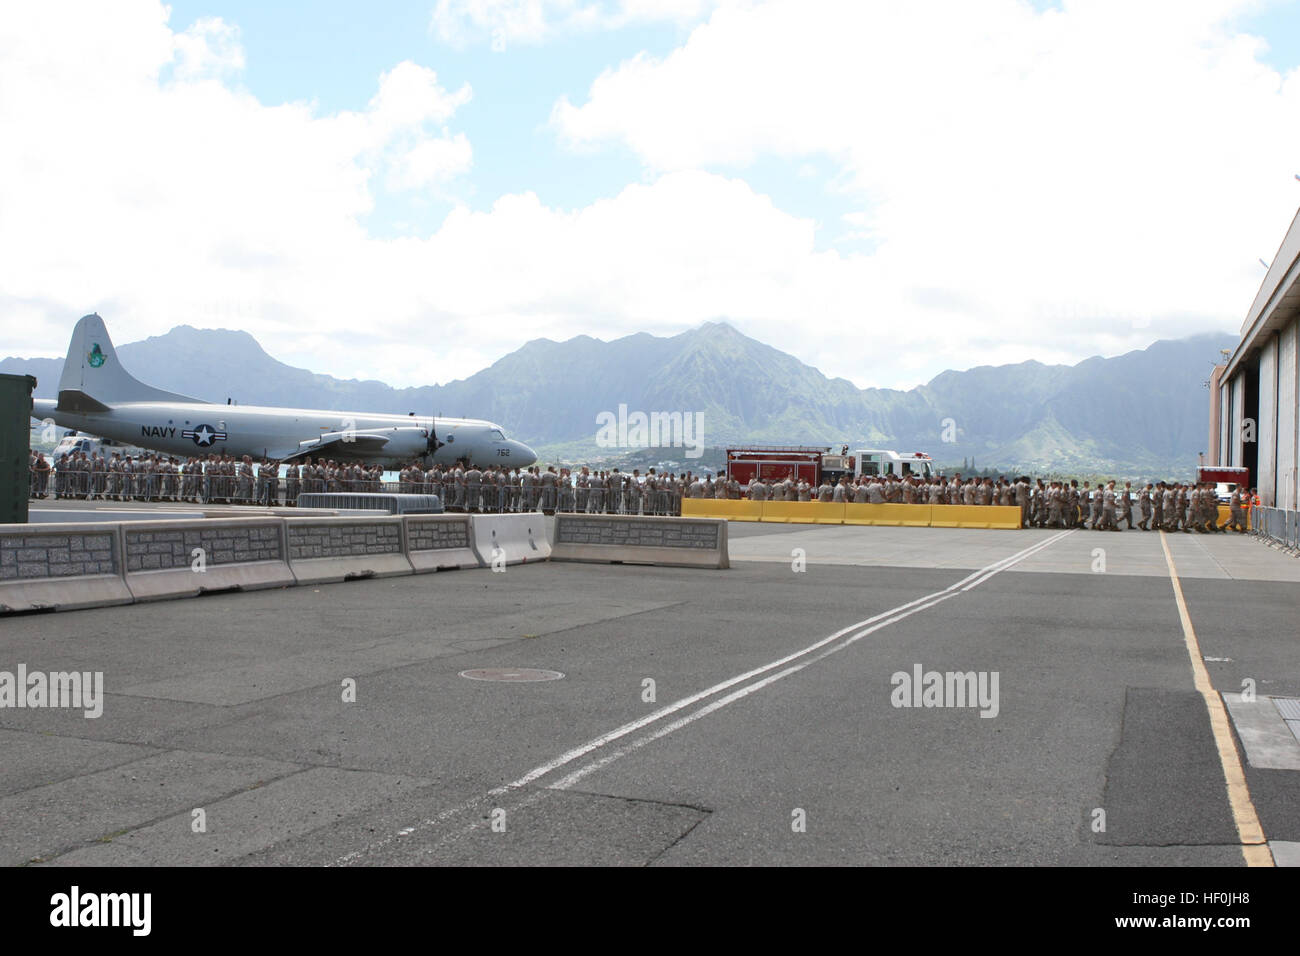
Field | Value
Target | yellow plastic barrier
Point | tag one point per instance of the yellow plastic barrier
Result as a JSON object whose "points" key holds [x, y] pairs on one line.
{"points": [[893, 515], [783, 511], [831, 512], [804, 512], [733, 510], [974, 516]]}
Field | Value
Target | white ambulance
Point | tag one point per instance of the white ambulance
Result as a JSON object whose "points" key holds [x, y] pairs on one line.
{"points": [[880, 461]]}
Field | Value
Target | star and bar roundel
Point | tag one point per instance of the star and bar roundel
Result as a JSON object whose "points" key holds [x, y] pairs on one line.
{"points": [[203, 435]]}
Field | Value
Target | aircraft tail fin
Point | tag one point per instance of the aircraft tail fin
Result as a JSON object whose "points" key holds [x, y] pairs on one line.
{"points": [[93, 376]]}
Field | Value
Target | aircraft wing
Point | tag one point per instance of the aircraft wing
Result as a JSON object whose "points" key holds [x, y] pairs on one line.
{"points": [[388, 442]]}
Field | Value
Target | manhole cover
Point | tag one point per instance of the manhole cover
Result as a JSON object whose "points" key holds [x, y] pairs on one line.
{"points": [[514, 674]]}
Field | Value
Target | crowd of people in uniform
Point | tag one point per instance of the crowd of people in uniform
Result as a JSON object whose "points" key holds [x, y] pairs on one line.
{"points": [[222, 479], [1169, 506], [212, 479], [496, 489]]}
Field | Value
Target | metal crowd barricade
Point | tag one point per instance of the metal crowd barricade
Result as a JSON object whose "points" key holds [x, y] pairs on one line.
{"points": [[212, 482], [38, 481]]}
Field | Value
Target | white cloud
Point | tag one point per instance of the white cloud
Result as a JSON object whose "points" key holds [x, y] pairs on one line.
{"points": [[209, 48], [409, 96], [528, 22], [431, 161], [1033, 186], [158, 199], [1133, 157], [139, 179], [400, 121]]}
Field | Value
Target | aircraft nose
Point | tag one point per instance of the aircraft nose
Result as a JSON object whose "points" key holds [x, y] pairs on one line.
{"points": [[521, 455]]}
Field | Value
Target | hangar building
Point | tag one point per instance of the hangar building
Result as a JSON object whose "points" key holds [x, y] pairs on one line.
{"points": [[1258, 412]]}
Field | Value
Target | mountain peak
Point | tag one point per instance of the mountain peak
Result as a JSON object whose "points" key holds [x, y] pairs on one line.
{"points": [[207, 338], [1143, 410], [719, 328]]}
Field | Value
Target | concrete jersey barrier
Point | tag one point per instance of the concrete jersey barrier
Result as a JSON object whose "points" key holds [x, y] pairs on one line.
{"points": [[185, 559], [627, 539], [439, 542], [388, 503], [512, 538], [78, 565], [340, 549], [67, 566], [61, 567]]}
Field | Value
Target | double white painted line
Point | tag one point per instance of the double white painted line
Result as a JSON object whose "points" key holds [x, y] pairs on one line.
{"points": [[783, 667], [832, 644]]}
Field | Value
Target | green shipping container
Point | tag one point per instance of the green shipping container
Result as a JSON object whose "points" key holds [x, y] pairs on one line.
{"points": [[15, 446]]}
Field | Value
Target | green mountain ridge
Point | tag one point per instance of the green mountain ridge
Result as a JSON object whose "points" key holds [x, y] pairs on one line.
{"points": [[1141, 413]]}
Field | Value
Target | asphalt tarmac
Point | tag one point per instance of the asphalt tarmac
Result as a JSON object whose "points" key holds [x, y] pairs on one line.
{"points": [[747, 716]]}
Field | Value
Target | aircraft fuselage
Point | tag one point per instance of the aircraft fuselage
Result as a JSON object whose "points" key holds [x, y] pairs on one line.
{"points": [[267, 432]]}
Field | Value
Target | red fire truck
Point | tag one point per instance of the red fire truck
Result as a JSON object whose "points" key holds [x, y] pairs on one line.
{"points": [[1226, 478], [810, 463], [814, 463]]}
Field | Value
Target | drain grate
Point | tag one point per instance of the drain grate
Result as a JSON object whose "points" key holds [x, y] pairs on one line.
{"points": [[517, 675]]}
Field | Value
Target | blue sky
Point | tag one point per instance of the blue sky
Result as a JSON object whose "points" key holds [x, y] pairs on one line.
{"points": [[331, 56], [1279, 24], [330, 53], [884, 190]]}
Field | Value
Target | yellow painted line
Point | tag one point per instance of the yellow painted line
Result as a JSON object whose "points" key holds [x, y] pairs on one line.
{"points": [[1253, 845]]}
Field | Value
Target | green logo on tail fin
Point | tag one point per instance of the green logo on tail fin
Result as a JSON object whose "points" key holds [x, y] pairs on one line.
{"points": [[96, 356]]}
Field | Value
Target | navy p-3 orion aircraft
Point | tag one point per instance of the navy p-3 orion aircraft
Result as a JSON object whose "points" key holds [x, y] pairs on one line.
{"points": [[97, 395]]}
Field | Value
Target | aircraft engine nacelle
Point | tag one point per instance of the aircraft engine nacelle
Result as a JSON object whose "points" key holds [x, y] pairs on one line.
{"points": [[404, 441]]}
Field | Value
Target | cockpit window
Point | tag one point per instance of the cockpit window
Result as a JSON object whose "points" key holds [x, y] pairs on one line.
{"points": [[496, 433]]}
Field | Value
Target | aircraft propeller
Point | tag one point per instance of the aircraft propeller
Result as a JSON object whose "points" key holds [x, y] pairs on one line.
{"points": [[433, 444]]}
